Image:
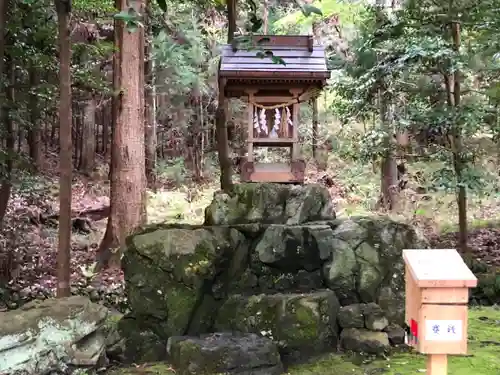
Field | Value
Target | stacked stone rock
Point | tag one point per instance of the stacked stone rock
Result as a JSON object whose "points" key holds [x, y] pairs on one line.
{"points": [[273, 268], [366, 329]]}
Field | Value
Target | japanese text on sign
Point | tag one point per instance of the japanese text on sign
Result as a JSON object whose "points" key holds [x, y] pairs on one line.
{"points": [[443, 330]]}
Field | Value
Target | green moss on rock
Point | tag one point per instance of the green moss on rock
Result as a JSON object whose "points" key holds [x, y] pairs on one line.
{"points": [[267, 203], [297, 322], [483, 358], [224, 353], [175, 275]]}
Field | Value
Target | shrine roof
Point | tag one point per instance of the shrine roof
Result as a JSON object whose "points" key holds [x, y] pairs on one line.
{"points": [[303, 59]]}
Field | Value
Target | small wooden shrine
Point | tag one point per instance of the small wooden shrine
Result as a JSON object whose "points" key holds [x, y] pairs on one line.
{"points": [[274, 89]]}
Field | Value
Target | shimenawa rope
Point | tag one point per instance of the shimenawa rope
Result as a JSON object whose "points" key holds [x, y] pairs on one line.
{"points": [[307, 95]]}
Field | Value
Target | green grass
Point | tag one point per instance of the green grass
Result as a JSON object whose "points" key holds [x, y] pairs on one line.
{"points": [[183, 205], [483, 357], [152, 369]]}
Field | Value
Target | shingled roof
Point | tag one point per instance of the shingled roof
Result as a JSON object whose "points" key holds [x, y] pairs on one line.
{"points": [[303, 60]]}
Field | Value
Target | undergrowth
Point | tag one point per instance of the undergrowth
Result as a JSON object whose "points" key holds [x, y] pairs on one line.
{"points": [[426, 201]]}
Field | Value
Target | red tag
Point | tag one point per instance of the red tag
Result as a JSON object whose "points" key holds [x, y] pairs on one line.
{"points": [[414, 328]]}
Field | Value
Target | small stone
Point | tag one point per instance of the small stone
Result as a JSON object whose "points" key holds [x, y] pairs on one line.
{"points": [[283, 283], [228, 353], [375, 319], [351, 316], [94, 296], [307, 281], [365, 341], [396, 334]]}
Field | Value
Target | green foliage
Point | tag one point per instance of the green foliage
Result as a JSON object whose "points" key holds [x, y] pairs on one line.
{"points": [[100, 9], [407, 55], [348, 12]]}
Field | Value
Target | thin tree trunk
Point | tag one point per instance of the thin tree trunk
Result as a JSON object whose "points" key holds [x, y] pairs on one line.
{"points": [[314, 101], [232, 6], [220, 115], [314, 128], [150, 107], [6, 186], [458, 163], [389, 187], [128, 180], [65, 155], [35, 131], [4, 6], [265, 16], [106, 122], [88, 149]]}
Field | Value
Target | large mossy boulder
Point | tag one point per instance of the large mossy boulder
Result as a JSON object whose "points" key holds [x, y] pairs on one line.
{"points": [[274, 247], [224, 353], [301, 324], [53, 336], [366, 265], [129, 340], [177, 277], [266, 203]]}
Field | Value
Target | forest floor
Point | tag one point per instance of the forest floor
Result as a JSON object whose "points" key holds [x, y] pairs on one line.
{"points": [[353, 187]]}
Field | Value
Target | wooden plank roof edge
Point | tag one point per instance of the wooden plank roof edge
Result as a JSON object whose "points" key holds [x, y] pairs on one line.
{"points": [[272, 41], [469, 281], [263, 74], [303, 40], [282, 46]]}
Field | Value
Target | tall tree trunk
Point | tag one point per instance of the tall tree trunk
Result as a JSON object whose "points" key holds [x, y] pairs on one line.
{"points": [[314, 103], [221, 115], [128, 180], [150, 101], [87, 160], [265, 17], [35, 131], [457, 149], [314, 128], [5, 187], [389, 187], [106, 127], [4, 6], [232, 6], [6, 172], [63, 8]]}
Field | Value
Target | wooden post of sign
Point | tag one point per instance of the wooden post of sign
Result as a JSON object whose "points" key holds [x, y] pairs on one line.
{"points": [[437, 364], [437, 286]]}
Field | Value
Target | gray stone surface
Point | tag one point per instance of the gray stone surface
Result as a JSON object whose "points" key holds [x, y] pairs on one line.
{"points": [[396, 334], [52, 336], [266, 203], [351, 316], [364, 341], [375, 319], [227, 353]]}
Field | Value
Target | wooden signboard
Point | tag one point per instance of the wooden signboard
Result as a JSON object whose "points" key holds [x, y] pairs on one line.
{"points": [[437, 284]]}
